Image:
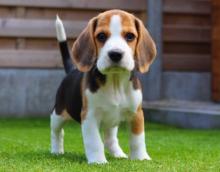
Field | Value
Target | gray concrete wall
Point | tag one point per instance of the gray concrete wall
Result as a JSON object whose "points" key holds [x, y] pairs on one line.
{"points": [[186, 114], [184, 119], [28, 92], [186, 86], [31, 92], [152, 79]]}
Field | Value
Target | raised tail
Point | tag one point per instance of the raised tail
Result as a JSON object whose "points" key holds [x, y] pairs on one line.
{"points": [[61, 37]]}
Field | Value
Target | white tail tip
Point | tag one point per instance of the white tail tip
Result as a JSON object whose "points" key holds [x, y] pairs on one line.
{"points": [[61, 34]]}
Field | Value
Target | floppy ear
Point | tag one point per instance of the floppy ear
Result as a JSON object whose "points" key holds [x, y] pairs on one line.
{"points": [[145, 49], [84, 48]]}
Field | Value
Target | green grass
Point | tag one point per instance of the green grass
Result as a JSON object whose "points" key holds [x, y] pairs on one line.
{"points": [[25, 143]]}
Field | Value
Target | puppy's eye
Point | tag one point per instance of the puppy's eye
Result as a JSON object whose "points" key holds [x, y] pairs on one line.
{"points": [[129, 37], [102, 37]]}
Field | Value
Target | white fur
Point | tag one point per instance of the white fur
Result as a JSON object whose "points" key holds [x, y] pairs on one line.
{"points": [[57, 133], [115, 41], [60, 31], [138, 147], [110, 105], [113, 104], [92, 141], [112, 144]]}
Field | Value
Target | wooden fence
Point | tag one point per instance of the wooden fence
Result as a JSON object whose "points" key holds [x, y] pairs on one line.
{"points": [[216, 50], [27, 33], [187, 35], [27, 40]]}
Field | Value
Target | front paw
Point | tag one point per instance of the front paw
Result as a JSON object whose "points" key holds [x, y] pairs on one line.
{"points": [[119, 154], [116, 151], [139, 155], [96, 158], [97, 161], [57, 151]]}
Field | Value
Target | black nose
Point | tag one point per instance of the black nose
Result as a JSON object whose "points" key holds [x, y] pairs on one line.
{"points": [[115, 55]]}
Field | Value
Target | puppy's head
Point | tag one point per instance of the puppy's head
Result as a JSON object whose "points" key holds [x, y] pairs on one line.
{"points": [[114, 41]]}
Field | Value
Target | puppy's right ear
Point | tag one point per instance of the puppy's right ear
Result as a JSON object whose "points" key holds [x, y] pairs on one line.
{"points": [[145, 49], [84, 48]]}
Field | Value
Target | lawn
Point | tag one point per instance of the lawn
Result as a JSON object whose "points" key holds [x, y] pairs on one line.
{"points": [[25, 143]]}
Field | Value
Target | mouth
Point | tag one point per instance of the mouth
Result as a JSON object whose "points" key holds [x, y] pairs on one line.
{"points": [[114, 69]]}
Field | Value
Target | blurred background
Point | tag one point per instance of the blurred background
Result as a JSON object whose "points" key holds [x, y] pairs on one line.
{"points": [[182, 87]]}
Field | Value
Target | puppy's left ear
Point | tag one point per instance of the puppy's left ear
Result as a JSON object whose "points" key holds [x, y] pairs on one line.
{"points": [[145, 49], [84, 48]]}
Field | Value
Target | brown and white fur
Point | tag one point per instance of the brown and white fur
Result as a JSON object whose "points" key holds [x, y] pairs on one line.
{"points": [[103, 89]]}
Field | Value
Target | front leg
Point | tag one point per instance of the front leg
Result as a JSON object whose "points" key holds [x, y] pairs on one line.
{"points": [[112, 144], [94, 147], [137, 137]]}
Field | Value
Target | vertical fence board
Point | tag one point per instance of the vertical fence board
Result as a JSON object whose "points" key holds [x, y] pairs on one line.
{"points": [[187, 24], [216, 51]]}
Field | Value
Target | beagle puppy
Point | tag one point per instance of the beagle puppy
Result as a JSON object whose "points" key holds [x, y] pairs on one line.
{"points": [[103, 89]]}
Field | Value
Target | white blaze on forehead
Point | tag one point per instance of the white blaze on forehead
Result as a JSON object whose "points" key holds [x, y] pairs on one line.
{"points": [[115, 25], [115, 41]]}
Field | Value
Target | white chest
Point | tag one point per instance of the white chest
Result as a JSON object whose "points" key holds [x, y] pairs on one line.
{"points": [[112, 105]]}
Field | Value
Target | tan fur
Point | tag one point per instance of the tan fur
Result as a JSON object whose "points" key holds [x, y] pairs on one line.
{"points": [[84, 101], [127, 23], [137, 124], [102, 26], [66, 115], [84, 109], [129, 26], [86, 48], [136, 83], [146, 49]]}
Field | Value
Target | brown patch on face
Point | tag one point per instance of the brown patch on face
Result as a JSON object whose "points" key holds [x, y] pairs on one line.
{"points": [[103, 25], [87, 47], [128, 26], [137, 124]]}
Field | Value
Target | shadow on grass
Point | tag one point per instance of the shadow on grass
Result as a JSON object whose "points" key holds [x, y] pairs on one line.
{"points": [[45, 155]]}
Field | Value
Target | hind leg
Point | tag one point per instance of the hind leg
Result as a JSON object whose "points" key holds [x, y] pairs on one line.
{"points": [[112, 144], [57, 133]]}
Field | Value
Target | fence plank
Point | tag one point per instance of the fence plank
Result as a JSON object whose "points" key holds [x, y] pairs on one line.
{"points": [[6, 43], [215, 51], [181, 33], [189, 48], [136, 5], [37, 28], [187, 35], [187, 62], [187, 19], [30, 59], [187, 6]]}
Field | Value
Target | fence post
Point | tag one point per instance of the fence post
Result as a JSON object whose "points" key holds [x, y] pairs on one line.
{"points": [[152, 80], [215, 51]]}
